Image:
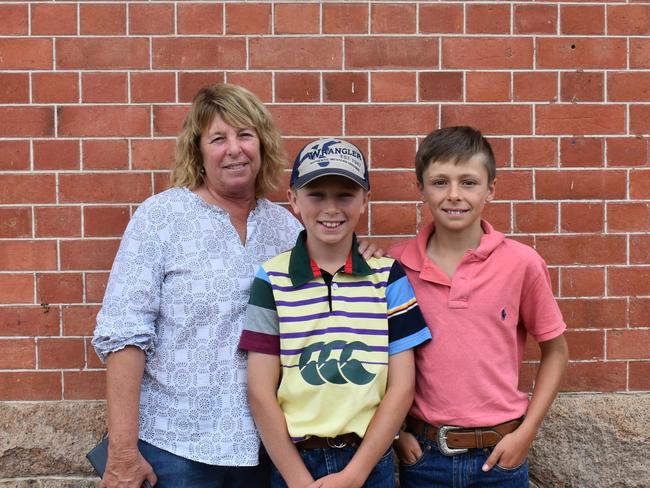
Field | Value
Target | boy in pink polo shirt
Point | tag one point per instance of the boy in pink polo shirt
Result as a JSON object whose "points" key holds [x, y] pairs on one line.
{"points": [[481, 294]]}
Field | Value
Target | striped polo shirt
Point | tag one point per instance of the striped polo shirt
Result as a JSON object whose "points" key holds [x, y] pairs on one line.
{"points": [[333, 339]]}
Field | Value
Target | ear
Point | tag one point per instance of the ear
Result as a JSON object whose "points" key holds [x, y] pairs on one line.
{"points": [[366, 199], [491, 190], [291, 197]]}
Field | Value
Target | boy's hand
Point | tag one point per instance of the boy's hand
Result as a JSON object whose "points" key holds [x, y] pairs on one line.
{"points": [[336, 480], [368, 250], [511, 451], [407, 448]]}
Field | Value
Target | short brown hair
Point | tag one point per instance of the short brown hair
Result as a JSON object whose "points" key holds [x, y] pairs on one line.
{"points": [[239, 108], [455, 144]]}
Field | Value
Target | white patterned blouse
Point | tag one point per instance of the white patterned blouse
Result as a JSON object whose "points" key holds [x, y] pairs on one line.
{"points": [[178, 290]]}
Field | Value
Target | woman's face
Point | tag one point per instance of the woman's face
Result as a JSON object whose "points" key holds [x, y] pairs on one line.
{"points": [[231, 157]]}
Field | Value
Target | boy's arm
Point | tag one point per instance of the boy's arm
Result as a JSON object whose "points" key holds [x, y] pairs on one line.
{"points": [[513, 448], [263, 379], [384, 425]]}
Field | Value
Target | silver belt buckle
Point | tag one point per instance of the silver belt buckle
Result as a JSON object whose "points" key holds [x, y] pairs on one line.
{"points": [[336, 444], [442, 441]]}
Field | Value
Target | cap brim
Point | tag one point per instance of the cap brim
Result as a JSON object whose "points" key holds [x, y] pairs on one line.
{"points": [[300, 182]]}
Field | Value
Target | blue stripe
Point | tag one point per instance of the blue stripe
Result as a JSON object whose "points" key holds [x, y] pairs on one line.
{"points": [[299, 303], [311, 301], [289, 352], [377, 363], [277, 273], [333, 330], [360, 284], [399, 292], [382, 270], [335, 313], [409, 342], [262, 275]]}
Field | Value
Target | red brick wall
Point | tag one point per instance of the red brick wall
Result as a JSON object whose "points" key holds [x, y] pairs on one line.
{"points": [[92, 95]]}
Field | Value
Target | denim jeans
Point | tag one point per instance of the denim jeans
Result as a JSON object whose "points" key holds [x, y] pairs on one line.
{"points": [[434, 469], [177, 472], [323, 461]]}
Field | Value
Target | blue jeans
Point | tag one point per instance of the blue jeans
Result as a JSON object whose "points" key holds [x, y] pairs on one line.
{"points": [[434, 469], [177, 472], [324, 461]]}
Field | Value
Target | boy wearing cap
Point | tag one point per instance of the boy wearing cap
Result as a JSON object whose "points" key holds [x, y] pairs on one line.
{"points": [[330, 336]]}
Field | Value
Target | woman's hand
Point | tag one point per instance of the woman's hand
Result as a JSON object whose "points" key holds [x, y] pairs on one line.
{"points": [[126, 468], [368, 250]]}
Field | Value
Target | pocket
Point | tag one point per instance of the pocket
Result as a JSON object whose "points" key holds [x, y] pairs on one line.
{"points": [[417, 461], [513, 469]]}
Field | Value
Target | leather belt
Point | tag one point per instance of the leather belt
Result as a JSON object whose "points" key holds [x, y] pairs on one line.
{"points": [[338, 442], [455, 440]]}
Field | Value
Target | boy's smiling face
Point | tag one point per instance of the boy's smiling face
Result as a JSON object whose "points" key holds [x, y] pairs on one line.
{"points": [[330, 208], [456, 193]]}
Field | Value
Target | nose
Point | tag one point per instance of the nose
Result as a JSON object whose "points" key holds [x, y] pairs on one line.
{"points": [[234, 147], [453, 193]]}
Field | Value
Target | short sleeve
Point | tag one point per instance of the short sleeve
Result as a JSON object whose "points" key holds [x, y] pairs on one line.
{"points": [[262, 328]]}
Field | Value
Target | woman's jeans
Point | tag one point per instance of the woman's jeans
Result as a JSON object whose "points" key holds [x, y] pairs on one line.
{"points": [[434, 469], [177, 472], [323, 461]]}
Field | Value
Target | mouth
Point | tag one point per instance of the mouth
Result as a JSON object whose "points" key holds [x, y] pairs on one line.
{"points": [[454, 211], [329, 224], [235, 166]]}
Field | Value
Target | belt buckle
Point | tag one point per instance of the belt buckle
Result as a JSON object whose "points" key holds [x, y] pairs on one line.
{"points": [[442, 441], [336, 444]]}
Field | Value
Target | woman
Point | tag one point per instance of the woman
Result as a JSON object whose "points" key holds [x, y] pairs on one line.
{"points": [[175, 303]]}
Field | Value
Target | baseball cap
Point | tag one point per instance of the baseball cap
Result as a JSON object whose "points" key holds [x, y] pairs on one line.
{"points": [[330, 156]]}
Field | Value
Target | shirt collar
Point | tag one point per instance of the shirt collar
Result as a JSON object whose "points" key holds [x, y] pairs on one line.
{"points": [[303, 269]]}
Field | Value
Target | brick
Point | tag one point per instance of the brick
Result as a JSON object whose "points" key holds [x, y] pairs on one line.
{"points": [[14, 87], [534, 152], [59, 288], [640, 184], [14, 20], [490, 119], [391, 52], [190, 83], [30, 386], [102, 121], [196, 52], [441, 19], [582, 249], [92, 361], [102, 19], [54, 19], [595, 376], [628, 86], [639, 249], [628, 20], [345, 87], [56, 154], [57, 221], [582, 87], [628, 344], [632, 281], [21, 255], [297, 87], [393, 218], [295, 53], [563, 119], [104, 188], [348, 18], [168, 119], [535, 19], [261, 84], [61, 353], [296, 120], [534, 218], [79, 320], [487, 53], [393, 152], [14, 155], [84, 385], [95, 288], [393, 87], [55, 87], [395, 185], [640, 53], [102, 53], [25, 53], [200, 18], [639, 375], [515, 185], [639, 312], [152, 153], [153, 87], [27, 188], [488, 18], [253, 18], [105, 154], [105, 221], [628, 217], [586, 344], [582, 19], [488, 87], [16, 288], [26, 121], [392, 18], [160, 182], [390, 120], [580, 185], [583, 282], [104, 87], [15, 222], [628, 151], [436, 86], [581, 52], [640, 119], [362, 226], [499, 215], [29, 321], [582, 217], [17, 353], [151, 18], [601, 313], [297, 18], [88, 254], [581, 151], [535, 86]]}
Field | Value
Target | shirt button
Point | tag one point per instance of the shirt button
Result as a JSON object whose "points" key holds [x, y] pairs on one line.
{"points": [[335, 286]]}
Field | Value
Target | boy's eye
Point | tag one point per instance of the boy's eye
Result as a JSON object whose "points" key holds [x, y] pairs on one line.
{"points": [[469, 183], [438, 182]]}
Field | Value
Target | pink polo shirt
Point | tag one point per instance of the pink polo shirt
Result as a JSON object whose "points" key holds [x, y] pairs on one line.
{"points": [[468, 374]]}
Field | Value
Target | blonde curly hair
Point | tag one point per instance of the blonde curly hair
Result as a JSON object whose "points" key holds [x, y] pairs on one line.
{"points": [[240, 109]]}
